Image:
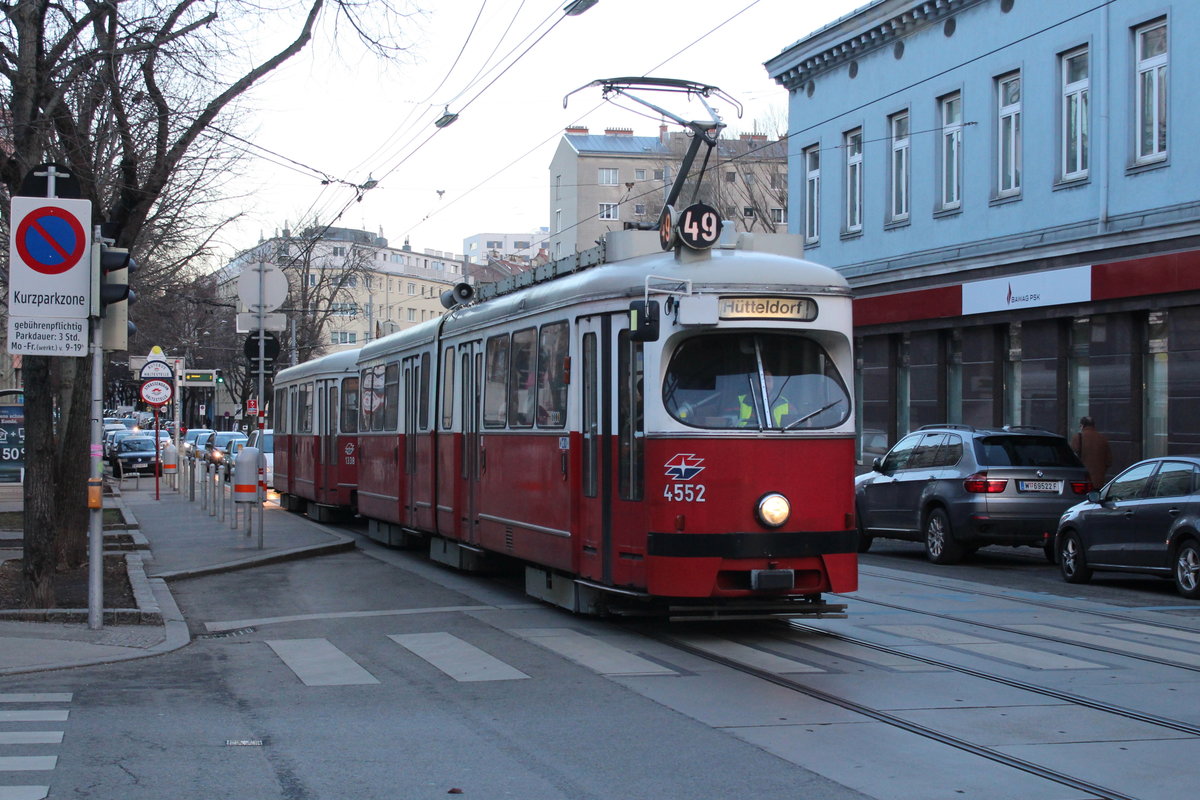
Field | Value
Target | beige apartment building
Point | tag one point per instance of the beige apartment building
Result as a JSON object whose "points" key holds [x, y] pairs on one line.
{"points": [[614, 180]]}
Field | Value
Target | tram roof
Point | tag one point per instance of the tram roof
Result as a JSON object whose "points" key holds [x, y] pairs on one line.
{"points": [[341, 362], [626, 261]]}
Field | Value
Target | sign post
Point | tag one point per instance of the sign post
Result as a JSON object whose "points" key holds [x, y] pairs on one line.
{"points": [[157, 391]]}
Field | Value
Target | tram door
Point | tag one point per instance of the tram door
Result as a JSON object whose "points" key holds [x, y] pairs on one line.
{"points": [[611, 522], [327, 430], [470, 358], [411, 382]]}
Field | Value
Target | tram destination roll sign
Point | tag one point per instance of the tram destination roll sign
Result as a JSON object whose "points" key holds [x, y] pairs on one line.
{"points": [[50, 276]]}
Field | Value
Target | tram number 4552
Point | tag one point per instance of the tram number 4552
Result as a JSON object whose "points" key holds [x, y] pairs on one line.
{"points": [[684, 492]]}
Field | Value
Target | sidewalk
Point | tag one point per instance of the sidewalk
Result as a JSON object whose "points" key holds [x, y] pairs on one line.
{"points": [[167, 539]]}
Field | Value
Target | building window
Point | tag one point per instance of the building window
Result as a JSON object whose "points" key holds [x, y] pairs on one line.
{"points": [[339, 251], [495, 244], [639, 174], [558, 187], [1008, 135], [412, 288], [1151, 92], [607, 176], [609, 211], [853, 141], [950, 161], [1075, 87], [412, 315], [748, 211], [730, 176], [779, 216], [898, 169], [660, 174], [812, 195], [639, 209]]}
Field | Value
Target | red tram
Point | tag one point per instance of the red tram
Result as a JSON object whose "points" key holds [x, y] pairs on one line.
{"points": [[316, 466], [646, 431]]}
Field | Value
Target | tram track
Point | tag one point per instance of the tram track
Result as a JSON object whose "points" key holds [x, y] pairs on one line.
{"points": [[896, 721]]}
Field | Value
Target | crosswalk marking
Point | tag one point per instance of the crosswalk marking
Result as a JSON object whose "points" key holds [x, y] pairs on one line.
{"points": [[316, 662], [31, 737], [744, 654], [1030, 656], [931, 634], [1138, 627], [24, 792], [460, 660], [591, 652], [43, 697], [34, 715], [27, 763], [1108, 642]]}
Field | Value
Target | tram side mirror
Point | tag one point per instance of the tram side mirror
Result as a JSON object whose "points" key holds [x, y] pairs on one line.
{"points": [[643, 320]]}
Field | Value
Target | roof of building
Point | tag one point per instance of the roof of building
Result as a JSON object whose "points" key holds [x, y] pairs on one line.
{"points": [[599, 143]]}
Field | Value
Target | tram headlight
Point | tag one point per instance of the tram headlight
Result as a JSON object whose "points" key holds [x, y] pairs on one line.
{"points": [[773, 509]]}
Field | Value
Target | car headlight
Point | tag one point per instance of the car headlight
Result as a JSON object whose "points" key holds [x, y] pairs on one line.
{"points": [[773, 509]]}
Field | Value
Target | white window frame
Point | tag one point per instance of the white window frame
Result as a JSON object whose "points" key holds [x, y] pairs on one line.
{"points": [[639, 174], [812, 194], [900, 166], [1075, 121], [779, 216], [609, 211], [950, 154], [852, 142], [1151, 97], [607, 176], [1008, 135]]}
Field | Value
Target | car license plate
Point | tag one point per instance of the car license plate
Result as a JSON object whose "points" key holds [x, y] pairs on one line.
{"points": [[1041, 486]]}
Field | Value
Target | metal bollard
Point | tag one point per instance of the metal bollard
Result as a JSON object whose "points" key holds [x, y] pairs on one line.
{"points": [[191, 478], [217, 468]]}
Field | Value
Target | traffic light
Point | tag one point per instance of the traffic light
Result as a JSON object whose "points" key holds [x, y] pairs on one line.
{"points": [[115, 296], [218, 376]]}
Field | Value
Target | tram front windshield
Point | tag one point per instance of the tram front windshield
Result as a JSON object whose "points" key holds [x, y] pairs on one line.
{"points": [[763, 381]]}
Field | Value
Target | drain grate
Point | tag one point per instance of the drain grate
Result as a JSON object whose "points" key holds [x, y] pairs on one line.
{"points": [[226, 634]]}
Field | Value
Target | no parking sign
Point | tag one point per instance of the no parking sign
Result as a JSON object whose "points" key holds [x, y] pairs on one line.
{"points": [[49, 257]]}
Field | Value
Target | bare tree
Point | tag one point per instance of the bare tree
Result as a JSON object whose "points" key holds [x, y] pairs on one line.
{"points": [[123, 95]]}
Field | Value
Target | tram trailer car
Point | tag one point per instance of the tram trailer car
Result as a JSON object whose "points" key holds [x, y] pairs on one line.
{"points": [[664, 432], [316, 463]]}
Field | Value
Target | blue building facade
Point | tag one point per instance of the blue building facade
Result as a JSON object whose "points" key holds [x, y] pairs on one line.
{"points": [[1009, 188]]}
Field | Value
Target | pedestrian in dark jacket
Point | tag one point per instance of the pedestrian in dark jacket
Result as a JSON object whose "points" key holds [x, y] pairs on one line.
{"points": [[1092, 448]]}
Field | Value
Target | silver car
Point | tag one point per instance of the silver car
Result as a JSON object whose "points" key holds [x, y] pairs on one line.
{"points": [[958, 488]]}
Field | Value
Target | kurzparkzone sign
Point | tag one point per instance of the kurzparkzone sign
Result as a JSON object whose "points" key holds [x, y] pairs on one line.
{"points": [[50, 276]]}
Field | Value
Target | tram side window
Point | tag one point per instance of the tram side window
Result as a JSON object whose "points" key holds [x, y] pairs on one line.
{"points": [[552, 380], [304, 410], [350, 405], [423, 401], [629, 416], [389, 420], [278, 417], [522, 400], [495, 382], [448, 388]]}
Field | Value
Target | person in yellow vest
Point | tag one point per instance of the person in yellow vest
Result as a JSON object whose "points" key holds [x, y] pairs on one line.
{"points": [[779, 404]]}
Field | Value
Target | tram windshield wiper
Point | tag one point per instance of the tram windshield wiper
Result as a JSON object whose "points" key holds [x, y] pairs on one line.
{"points": [[812, 414]]}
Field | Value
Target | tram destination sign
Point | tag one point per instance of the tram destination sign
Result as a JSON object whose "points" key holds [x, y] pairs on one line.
{"points": [[801, 309]]}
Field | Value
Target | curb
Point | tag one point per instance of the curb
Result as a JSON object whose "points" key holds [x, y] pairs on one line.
{"points": [[343, 544]]}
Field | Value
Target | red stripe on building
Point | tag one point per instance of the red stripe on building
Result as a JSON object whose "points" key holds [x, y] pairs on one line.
{"points": [[880, 309], [1174, 272]]}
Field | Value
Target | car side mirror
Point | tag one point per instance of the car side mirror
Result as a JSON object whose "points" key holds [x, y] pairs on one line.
{"points": [[1094, 497], [877, 464]]}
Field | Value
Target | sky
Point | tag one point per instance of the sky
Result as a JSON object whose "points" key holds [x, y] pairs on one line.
{"points": [[330, 116]]}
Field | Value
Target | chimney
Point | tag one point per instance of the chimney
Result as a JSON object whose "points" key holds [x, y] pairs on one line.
{"points": [[618, 131], [579, 130], [662, 133], [753, 137]]}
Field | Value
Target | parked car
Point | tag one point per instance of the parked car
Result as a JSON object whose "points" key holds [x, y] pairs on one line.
{"points": [[958, 488], [1147, 520], [217, 445], [188, 443], [264, 440], [113, 438], [135, 454]]}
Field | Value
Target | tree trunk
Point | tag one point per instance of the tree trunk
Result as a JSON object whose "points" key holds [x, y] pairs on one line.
{"points": [[40, 483], [74, 461]]}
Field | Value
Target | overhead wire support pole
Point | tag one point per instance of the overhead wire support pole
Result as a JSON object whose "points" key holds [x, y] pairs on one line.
{"points": [[96, 466], [262, 400]]}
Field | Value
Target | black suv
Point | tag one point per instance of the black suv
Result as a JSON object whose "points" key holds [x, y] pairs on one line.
{"points": [[959, 488]]}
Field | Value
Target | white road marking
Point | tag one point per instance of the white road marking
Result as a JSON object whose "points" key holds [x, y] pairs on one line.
{"points": [[44, 697], [28, 763], [24, 792], [316, 662], [460, 660], [1108, 642], [34, 715], [744, 654], [593, 653], [31, 737]]}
